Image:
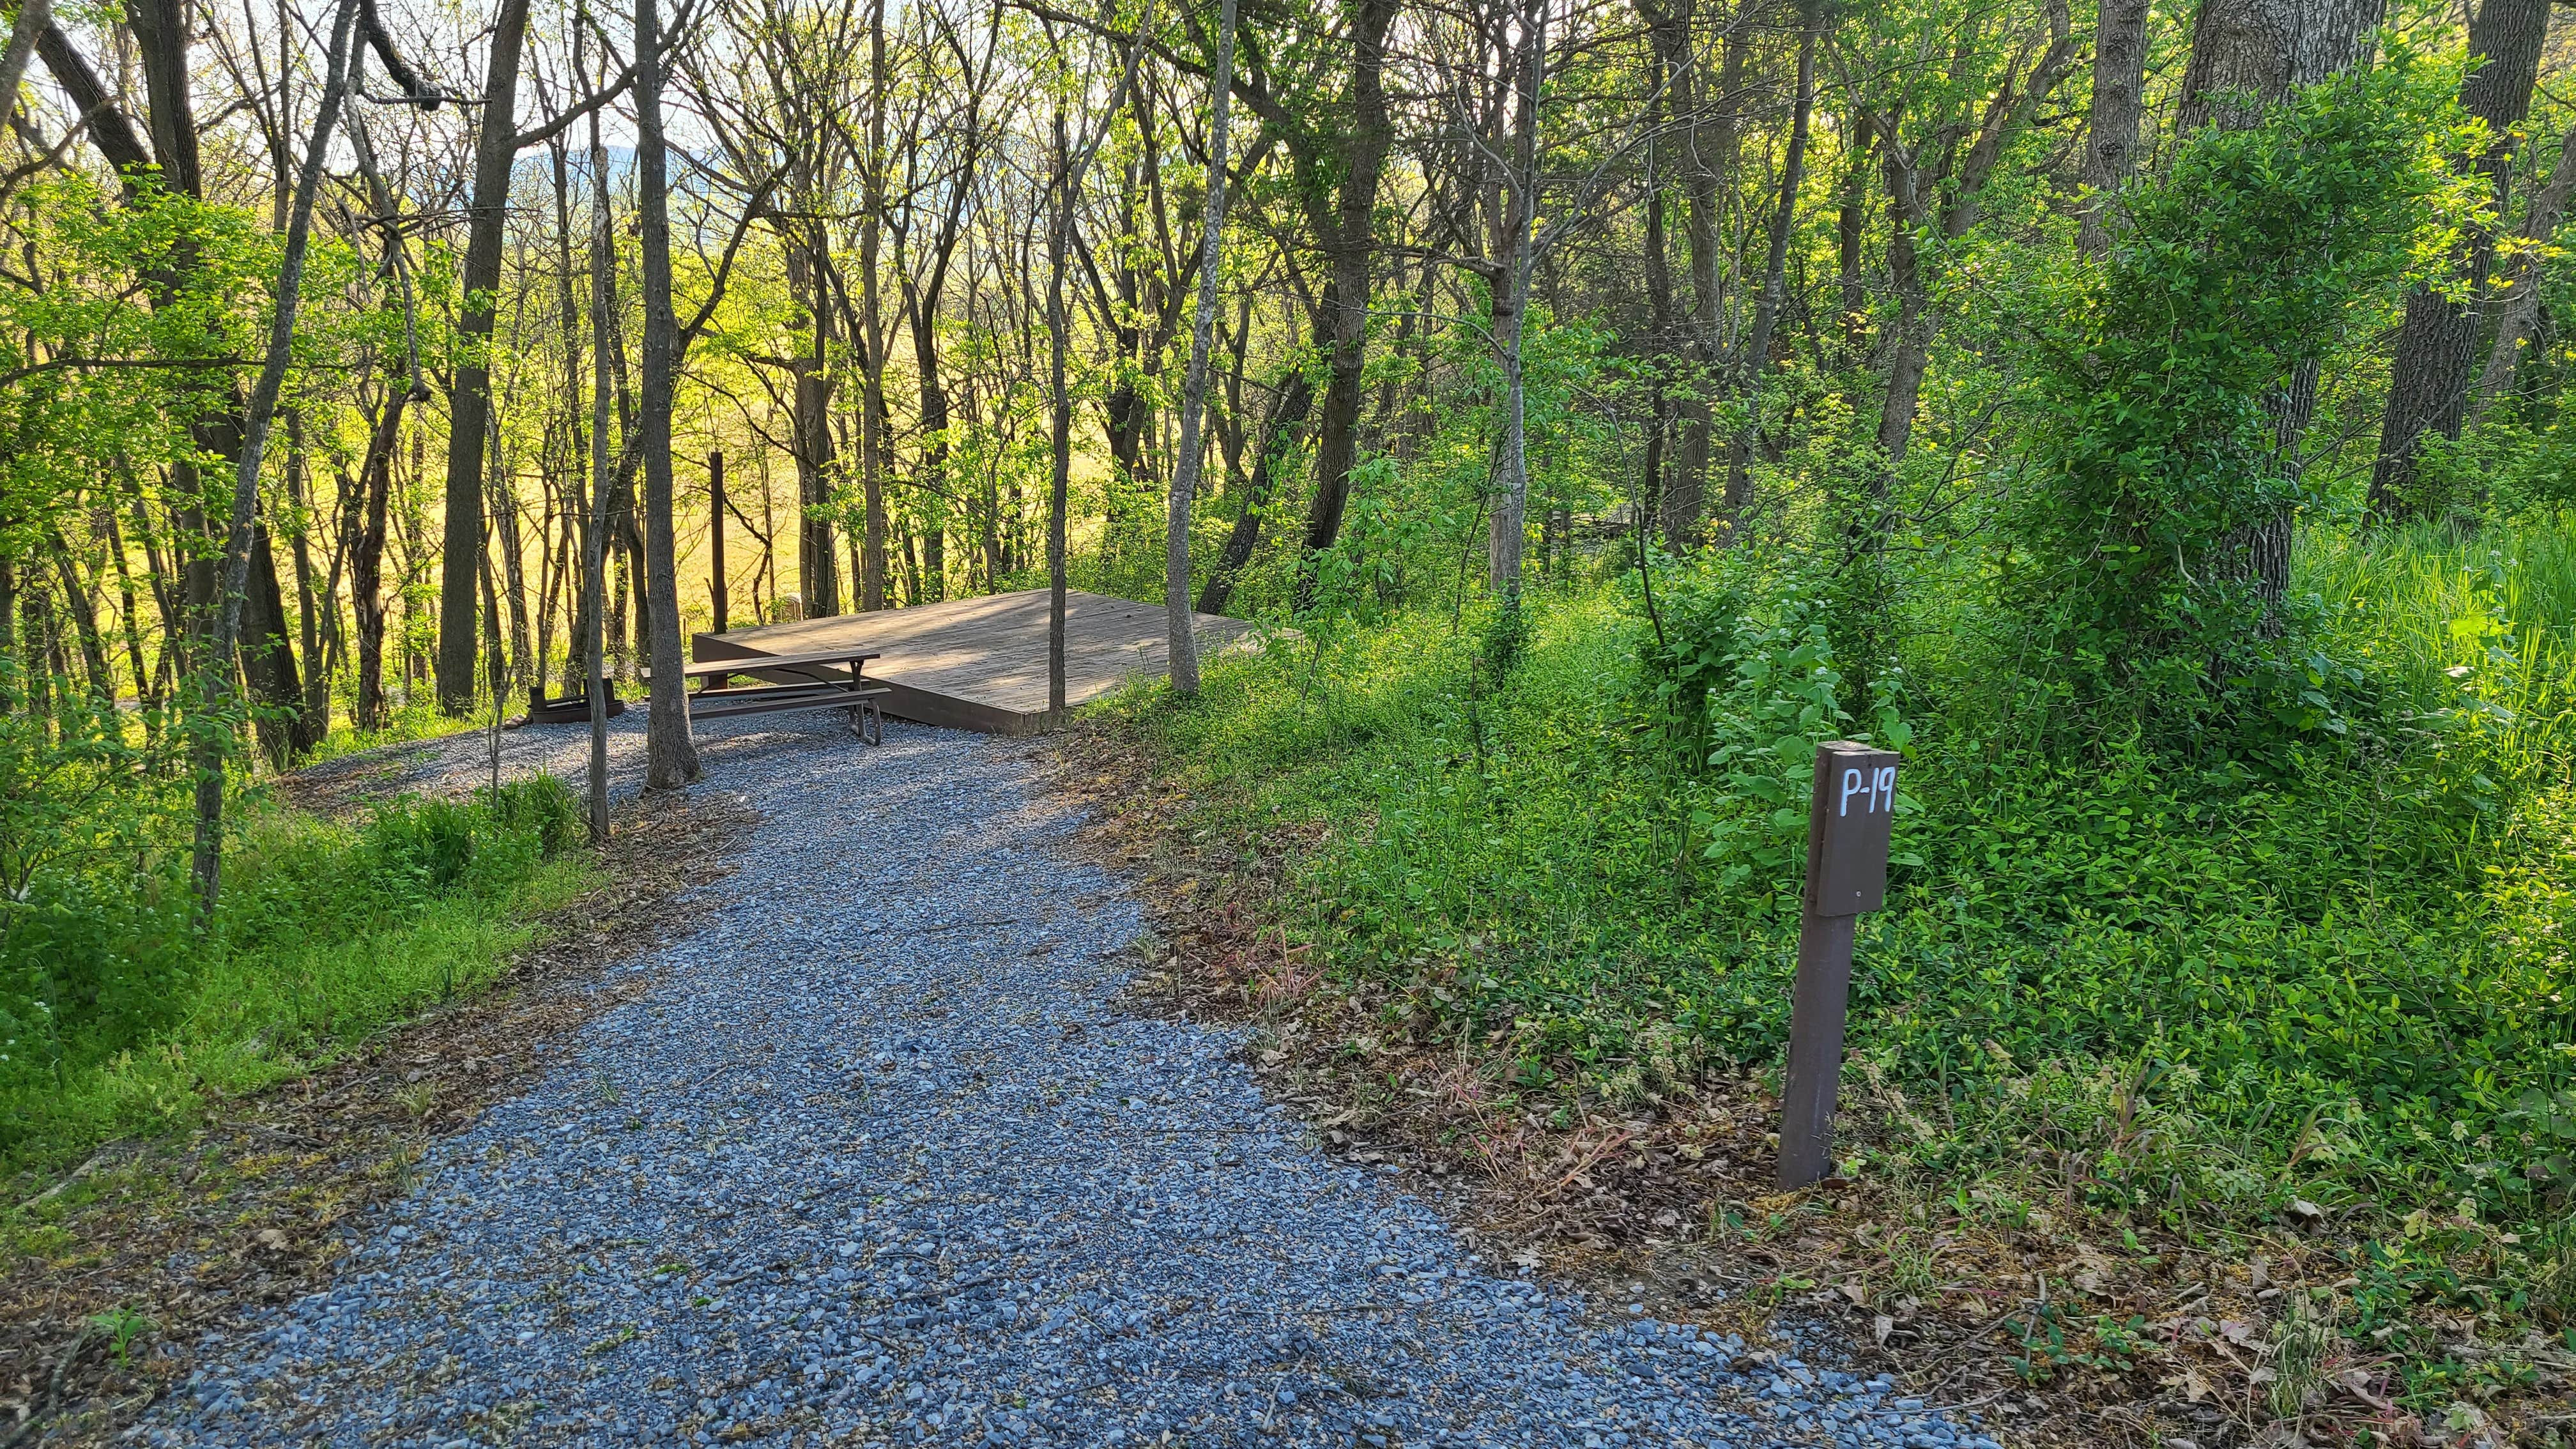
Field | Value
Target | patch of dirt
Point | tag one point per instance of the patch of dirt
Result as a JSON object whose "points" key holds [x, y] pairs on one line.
{"points": [[124, 1265], [1672, 1203]]}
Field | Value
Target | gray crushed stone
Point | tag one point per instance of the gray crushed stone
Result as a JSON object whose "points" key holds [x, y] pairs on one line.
{"points": [[878, 1158]]}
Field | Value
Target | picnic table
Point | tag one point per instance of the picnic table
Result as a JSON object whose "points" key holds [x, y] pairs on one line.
{"points": [[822, 679]]}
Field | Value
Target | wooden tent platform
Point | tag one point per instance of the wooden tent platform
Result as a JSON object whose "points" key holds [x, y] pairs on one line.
{"points": [[981, 664]]}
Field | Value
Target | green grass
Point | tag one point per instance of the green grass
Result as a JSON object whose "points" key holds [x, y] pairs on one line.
{"points": [[326, 934], [2118, 989], [2341, 972]]}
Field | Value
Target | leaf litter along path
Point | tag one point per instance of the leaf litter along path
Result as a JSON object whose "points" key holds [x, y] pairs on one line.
{"points": [[877, 1156]]}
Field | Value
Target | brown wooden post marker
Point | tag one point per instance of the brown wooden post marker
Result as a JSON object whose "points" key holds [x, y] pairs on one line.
{"points": [[1847, 824], [715, 537]]}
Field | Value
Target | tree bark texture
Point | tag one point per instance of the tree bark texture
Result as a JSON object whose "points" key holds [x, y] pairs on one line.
{"points": [[1755, 362], [671, 756], [2247, 55], [1181, 640], [2518, 307], [2111, 139], [470, 401], [2428, 380], [1349, 233]]}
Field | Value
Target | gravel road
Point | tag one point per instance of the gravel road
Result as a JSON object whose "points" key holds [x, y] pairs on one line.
{"points": [[877, 1157]]}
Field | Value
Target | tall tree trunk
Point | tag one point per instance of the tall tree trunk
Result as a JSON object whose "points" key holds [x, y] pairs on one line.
{"points": [[2111, 140], [1850, 224], [208, 748], [313, 719], [671, 755], [808, 268], [267, 658], [1349, 234], [1710, 133], [603, 261], [1182, 640], [504, 512], [470, 402], [1509, 529], [2429, 376], [2246, 56], [1289, 405], [85, 630], [717, 591], [872, 402], [367, 557], [1060, 401], [1754, 364]]}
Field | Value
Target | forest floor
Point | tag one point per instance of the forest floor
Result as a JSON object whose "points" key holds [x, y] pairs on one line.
{"points": [[884, 1149]]}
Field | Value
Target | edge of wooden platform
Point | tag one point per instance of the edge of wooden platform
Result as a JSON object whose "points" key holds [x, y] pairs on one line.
{"points": [[920, 706]]}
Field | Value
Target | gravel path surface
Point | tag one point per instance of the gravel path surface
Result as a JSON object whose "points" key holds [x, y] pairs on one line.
{"points": [[879, 1158]]}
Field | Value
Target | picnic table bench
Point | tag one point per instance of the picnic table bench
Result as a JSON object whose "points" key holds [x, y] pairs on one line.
{"points": [[821, 679]]}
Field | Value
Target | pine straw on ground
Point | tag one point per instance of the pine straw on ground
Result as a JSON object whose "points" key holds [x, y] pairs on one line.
{"points": [[174, 1238], [1672, 1204]]}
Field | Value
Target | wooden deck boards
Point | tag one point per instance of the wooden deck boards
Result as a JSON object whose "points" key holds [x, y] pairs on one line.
{"points": [[981, 664]]}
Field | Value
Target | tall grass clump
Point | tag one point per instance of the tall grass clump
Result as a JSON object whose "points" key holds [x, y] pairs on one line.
{"points": [[120, 1011]]}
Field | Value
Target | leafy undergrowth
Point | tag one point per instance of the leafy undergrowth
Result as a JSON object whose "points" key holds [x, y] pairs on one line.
{"points": [[109, 1276], [2187, 1097], [125, 1018]]}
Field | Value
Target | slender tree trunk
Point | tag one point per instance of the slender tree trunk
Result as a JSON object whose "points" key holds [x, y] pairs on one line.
{"points": [[1183, 641], [504, 512], [1060, 422], [808, 271], [671, 755], [1710, 132], [208, 749], [1509, 527], [603, 258], [716, 583], [2429, 375], [367, 557], [267, 659], [1754, 364], [1349, 234], [872, 403], [84, 612], [470, 402], [313, 720], [1850, 225], [2518, 308]]}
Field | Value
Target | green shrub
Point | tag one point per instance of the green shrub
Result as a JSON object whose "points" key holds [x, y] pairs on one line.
{"points": [[117, 1008], [2336, 963], [546, 807]]}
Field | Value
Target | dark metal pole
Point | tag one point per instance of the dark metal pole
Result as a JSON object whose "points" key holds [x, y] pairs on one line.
{"points": [[715, 536], [1849, 813]]}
